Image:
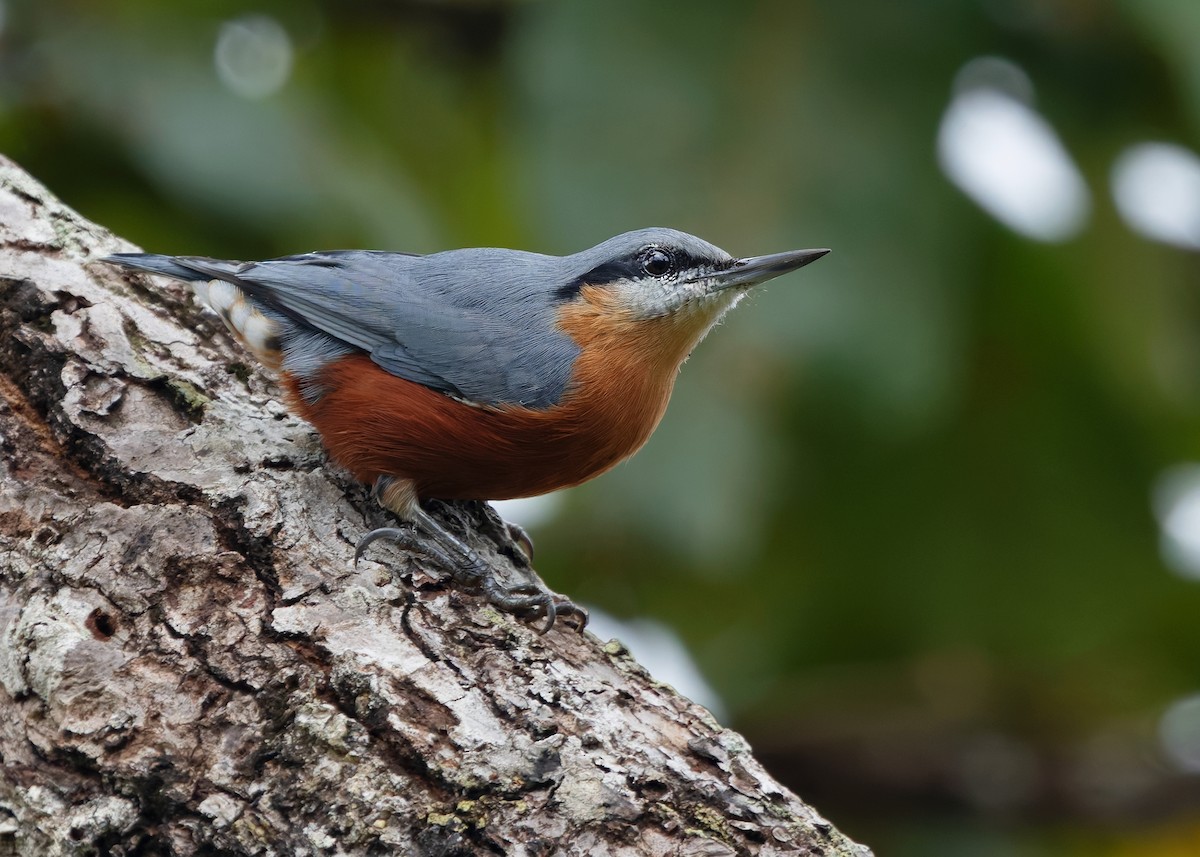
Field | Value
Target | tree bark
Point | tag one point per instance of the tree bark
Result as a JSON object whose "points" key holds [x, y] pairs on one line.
{"points": [[190, 663]]}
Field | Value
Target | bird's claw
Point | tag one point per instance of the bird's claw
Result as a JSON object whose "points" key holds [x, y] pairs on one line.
{"points": [[521, 536], [530, 600], [566, 607], [403, 537]]}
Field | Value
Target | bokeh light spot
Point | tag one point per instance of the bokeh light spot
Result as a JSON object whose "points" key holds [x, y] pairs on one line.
{"points": [[997, 772], [1008, 159], [530, 512], [1177, 506], [994, 73], [253, 56], [1157, 190], [1179, 734], [661, 651]]}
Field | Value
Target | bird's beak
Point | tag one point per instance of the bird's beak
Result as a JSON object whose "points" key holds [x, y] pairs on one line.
{"points": [[758, 269]]}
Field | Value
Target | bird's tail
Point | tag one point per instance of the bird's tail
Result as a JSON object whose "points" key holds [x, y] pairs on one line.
{"points": [[217, 287], [178, 267]]}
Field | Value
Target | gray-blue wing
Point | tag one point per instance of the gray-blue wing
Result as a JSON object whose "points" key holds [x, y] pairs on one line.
{"points": [[476, 324]]}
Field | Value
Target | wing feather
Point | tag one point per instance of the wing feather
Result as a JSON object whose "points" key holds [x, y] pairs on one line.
{"points": [[477, 324]]}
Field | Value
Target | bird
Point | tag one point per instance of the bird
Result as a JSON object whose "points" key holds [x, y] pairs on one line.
{"points": [[478, 373]]}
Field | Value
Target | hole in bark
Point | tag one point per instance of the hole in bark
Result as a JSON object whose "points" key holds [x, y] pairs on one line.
{"points": [[102, 625], [239, 370], [652, 789], [69, 303], [47, 535], [75, 833], [9, 828]]}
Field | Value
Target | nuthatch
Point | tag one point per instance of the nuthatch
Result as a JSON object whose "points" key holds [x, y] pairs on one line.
{"points": [[480, 374]]}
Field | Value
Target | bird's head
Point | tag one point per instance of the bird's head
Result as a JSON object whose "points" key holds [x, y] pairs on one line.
{"points": [[666, 281]]}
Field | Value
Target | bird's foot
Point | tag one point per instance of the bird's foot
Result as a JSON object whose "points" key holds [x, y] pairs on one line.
{"points": [[467, 569]]}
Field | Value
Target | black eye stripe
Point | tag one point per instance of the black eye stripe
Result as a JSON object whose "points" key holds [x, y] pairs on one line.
{"points": [[632, 267], [602, 275]]}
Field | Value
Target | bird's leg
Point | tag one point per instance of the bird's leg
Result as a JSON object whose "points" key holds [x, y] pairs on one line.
{"points": [[466, 567]]}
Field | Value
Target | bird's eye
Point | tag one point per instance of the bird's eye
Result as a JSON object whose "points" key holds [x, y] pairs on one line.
{"points": [[656, 262]]}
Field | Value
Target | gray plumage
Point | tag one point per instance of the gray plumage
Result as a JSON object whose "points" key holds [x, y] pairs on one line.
{"points": [[477, 324]]}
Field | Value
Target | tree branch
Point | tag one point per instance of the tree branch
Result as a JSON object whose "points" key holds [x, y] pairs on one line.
{"points": [[190, 663]]}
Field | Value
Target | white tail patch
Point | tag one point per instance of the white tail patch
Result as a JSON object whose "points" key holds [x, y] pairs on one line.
{"points": [[239, 315], [253, 329], [222, 295], [259, 334]]}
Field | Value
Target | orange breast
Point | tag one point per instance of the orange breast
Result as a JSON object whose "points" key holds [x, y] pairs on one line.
{"points": [[375, 423]]}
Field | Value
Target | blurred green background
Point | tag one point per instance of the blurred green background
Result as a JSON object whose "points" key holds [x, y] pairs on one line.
{"points": [[924, 513]]}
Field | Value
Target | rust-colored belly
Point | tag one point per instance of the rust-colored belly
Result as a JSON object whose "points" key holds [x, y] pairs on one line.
{"points": [[375, 423]]}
